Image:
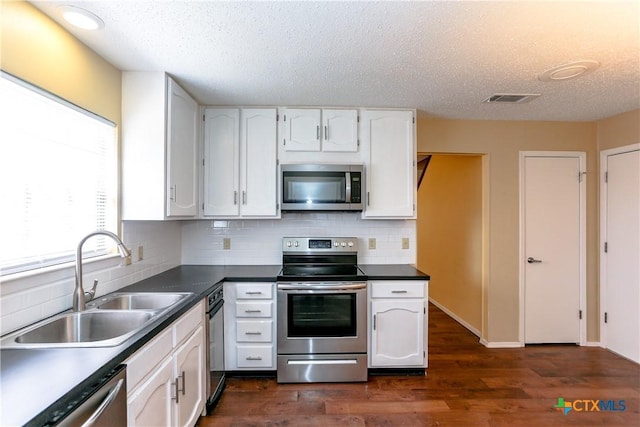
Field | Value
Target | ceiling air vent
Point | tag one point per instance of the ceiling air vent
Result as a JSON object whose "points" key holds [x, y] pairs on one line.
{"points": [[511, 98]]}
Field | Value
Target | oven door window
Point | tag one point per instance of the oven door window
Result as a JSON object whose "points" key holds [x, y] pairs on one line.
{"points": [[321, 315], [309, 187]]}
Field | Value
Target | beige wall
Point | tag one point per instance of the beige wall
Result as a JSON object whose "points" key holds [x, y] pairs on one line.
{"points": [[38, 50], [620, 130], [449, 229], [502, 141]]}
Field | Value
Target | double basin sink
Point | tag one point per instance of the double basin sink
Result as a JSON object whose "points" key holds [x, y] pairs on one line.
{"points": [[107, 321]]}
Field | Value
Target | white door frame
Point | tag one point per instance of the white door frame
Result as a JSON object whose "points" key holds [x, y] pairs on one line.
{"points": [[603, 232], [582, 156]]}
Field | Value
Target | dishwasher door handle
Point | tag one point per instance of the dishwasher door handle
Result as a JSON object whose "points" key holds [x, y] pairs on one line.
{"points": [[104, 405]]}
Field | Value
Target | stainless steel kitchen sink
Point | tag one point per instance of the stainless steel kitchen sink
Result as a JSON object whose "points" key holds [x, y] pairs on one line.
{"points": [[108, 321], [137, 301], [80, 329]]}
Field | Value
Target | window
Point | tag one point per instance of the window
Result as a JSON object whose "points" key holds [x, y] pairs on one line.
{"points": [[58, 178]]}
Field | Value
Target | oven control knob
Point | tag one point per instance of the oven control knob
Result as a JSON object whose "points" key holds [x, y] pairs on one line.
{"points": [[343, 244], [289, 243], [296, 244], [350, 244], [336, 244]]}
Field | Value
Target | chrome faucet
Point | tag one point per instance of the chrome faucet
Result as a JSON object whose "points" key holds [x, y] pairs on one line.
{"points": [[80, 297]]}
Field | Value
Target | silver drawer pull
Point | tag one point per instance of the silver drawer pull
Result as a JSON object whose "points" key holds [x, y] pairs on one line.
{"points": [[253, 292], [253, 311], [254, 358], [253, 333], [398, 292]]}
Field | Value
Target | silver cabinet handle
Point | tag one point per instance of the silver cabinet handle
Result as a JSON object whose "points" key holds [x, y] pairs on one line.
{"points": [[532, 260], [253, 292], [326, 133], [368, 199], [173, 192], [184, 383], [318, 132], [398, 292], [244, 197], [235, 197], [104, 405], [253, 333], [177, 389], [253, 358], [253, 311], [374, 322]]}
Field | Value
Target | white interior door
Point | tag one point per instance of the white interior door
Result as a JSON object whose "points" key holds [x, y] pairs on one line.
{"points": [[621, 259], [552, 246]]}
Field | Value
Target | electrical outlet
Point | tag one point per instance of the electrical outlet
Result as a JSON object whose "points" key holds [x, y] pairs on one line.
{"points": [[140, 253], [405, 243], [372, 242], [226, 243]]}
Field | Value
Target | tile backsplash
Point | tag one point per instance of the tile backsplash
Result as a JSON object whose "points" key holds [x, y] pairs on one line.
{"points": [[27, 298], [260, 241]]}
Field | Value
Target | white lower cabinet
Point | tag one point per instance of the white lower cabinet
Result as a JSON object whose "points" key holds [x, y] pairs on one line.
{"points": [[166, 378], [249, 326], [398, 324]]}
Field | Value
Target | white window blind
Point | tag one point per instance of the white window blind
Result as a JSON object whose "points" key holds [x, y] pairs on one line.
{"points": [[58, 178]]}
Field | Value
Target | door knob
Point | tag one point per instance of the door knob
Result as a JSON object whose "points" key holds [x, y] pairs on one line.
{"points": [[532, 260]]}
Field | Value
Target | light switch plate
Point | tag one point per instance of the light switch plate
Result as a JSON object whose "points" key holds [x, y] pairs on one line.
{"points": [[226, 243], [372, 242], [405, 243]]}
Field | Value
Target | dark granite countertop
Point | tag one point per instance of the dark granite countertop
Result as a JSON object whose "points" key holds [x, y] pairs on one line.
{"points": [[38, 383]]}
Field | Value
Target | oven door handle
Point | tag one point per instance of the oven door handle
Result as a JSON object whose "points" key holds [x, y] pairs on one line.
{"points": [[321, 286]]}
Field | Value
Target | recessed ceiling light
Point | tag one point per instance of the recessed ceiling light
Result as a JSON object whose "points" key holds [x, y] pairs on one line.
{"points": [[568, 71], [81, 18]]}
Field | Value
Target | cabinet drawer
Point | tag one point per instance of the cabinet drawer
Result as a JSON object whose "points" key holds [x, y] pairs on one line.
{"points": [[255, 356], [253, 308], [254, 290], [144, 360], [188, 322], [254, 331], [396, 289]]}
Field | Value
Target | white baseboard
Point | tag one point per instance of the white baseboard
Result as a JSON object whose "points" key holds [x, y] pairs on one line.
{"points": [[501, 344], [592, 344], [471, 329]]}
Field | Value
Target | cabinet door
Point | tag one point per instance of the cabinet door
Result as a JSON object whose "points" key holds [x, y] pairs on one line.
{"points": [[302, 130], [221, 162], [340, 130], [397, 334], [389, 137], [152, 405], [182, 152], [189, 372], [259, 172]]}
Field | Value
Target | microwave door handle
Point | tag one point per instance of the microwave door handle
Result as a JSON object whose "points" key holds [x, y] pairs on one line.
{"points": [[347, 192]]}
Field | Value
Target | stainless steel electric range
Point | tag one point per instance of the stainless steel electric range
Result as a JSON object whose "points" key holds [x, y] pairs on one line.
{"points": [[322, 311]]}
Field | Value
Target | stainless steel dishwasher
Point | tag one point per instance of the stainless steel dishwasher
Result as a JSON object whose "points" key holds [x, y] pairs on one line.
{"points": [[106, 407], [215, 347]]}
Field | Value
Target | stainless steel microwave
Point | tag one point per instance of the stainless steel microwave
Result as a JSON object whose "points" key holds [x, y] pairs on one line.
{"points": [[322, 187]]}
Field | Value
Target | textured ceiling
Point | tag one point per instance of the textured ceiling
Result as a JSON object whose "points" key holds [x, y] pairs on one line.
{"points": [[440, 57]]}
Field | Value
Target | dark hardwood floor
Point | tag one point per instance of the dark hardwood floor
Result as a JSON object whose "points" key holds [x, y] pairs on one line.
{"points": [[466, 385]]}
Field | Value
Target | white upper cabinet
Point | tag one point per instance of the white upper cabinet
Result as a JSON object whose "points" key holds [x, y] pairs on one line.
{"points": [[301, 129], [340, 130], [326, 130], [159, 148], [389, 145], [221, 162], [240, 163], [182, 151]]}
